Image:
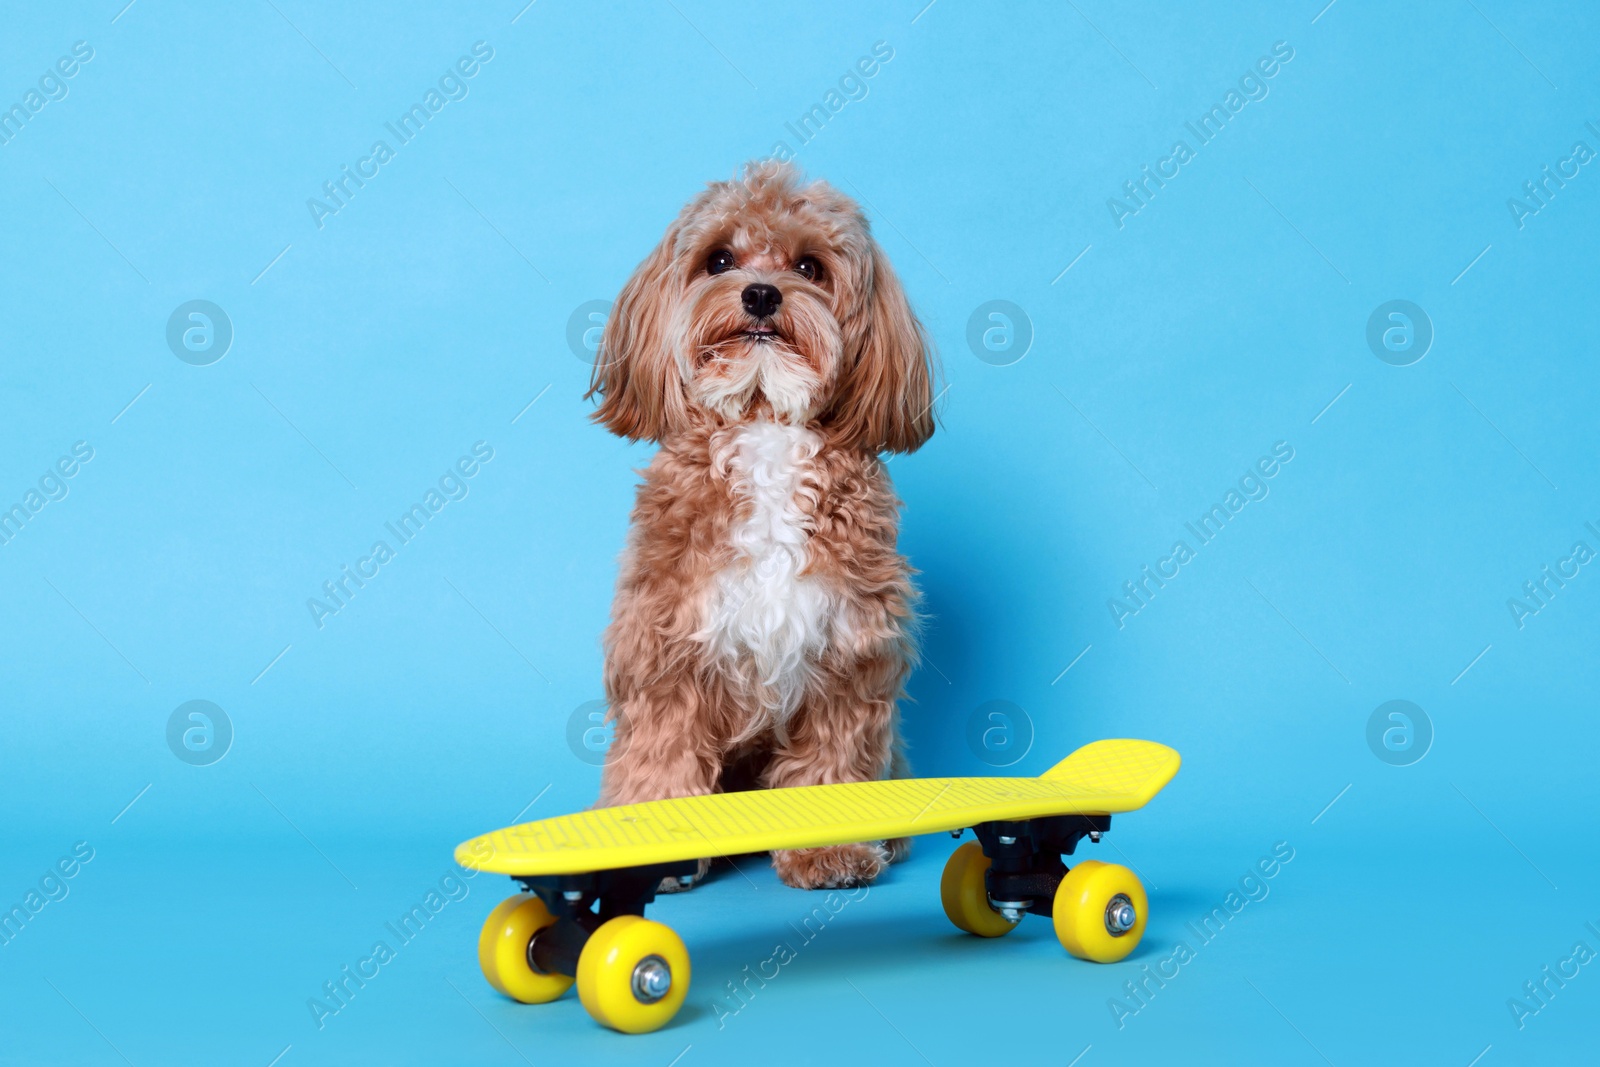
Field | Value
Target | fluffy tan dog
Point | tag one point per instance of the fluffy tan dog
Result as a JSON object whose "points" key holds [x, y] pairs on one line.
{"points": [[764, 624]]}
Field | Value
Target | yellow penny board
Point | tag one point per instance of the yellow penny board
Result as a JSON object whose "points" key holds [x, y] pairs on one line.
{"points": [[1101, 778]]}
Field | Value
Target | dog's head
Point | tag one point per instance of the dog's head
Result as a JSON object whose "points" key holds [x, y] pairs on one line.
{"points": [[767, 298]]}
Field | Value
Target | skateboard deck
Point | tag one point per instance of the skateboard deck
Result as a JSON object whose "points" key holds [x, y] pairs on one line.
{"points": [[1101, 778]]}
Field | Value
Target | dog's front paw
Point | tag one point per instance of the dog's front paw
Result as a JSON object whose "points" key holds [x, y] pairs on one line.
{"points": [[834, 867], [673, 885]]}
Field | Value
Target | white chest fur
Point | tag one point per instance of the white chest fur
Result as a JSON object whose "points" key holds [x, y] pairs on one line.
{"points": [[766, 620]]}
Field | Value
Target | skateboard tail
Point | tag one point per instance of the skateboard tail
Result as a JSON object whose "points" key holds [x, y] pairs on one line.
{"points": [[1125, 767]]}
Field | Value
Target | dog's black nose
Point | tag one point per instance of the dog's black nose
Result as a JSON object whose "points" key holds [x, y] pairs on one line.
{"points": [[761, 299]]}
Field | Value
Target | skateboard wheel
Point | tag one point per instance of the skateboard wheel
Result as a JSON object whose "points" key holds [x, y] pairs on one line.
{"points": [[633, 974], [503, 951], [1100, 911], [965, 898]]}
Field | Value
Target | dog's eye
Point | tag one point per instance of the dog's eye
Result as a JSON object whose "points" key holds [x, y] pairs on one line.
{"points": [[720, 262], [808, 268]]}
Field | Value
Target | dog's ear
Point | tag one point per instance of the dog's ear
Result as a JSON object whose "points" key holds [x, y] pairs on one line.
{"points": [[885, 399], [635, 373]]}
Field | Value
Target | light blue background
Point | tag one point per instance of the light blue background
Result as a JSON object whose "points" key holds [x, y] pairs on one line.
{"points": [[1224, 317]]}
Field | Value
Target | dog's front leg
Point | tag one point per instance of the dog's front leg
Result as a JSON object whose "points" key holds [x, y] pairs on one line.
{"points": [[661, 746], [844, 731]]}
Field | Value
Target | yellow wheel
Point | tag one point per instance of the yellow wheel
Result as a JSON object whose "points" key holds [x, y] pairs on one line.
{"points": [[503, 951], [1099, 911], [966, 901], [633, 974]]}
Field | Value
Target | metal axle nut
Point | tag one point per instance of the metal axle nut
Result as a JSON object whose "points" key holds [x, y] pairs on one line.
{"points": [[1120, 916], [652, 979]]}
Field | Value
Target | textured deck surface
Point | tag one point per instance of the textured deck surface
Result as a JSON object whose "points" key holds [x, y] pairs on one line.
{"points": [[1101, 778]]}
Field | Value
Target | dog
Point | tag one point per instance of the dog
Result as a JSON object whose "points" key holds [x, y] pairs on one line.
{"points": [[764, 623]]}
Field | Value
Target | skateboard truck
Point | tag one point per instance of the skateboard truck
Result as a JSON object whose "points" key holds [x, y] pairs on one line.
{"points": [[1025, 865], [582, 903], [1015, 868]]}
